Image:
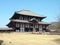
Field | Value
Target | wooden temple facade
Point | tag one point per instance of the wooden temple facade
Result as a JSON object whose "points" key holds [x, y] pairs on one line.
{"points": [[27, 21]]}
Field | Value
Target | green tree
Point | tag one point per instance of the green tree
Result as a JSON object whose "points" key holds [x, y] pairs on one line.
{"points": [[58, 22]]}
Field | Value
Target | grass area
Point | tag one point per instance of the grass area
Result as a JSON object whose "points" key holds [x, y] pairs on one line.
{"points": [[18, 38]]}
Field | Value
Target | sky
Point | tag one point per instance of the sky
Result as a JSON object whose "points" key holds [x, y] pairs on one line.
{"points": [[49, 8]]}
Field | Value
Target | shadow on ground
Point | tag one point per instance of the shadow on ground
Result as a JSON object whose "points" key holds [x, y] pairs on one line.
{"points": [[1, 41], [57, 40]]}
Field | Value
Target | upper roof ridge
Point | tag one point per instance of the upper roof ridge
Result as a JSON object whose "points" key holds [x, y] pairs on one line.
{"points": [[23, 10], [29, 12]]}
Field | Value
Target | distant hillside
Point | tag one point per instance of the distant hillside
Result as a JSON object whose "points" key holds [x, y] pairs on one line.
{"points": [[54, 25]]}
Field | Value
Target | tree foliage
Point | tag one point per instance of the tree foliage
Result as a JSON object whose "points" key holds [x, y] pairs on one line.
{"points": [[58, 24]]}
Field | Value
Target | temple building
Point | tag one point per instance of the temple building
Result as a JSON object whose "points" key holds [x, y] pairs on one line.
{"points": [[27, 21]]}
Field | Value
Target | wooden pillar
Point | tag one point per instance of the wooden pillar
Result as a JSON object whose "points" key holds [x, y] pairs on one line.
{"points": [[20, 27], [23, 28], [40, 28], [33, 28], [17, 25], [44, 28], [29, 28]]}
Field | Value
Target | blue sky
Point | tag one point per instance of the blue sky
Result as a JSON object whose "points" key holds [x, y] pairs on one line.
{"points": [[49, 8]]}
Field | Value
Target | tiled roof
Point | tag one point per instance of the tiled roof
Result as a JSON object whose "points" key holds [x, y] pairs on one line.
{"points": [[29, 13], [24, 21], [15, 20]]}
